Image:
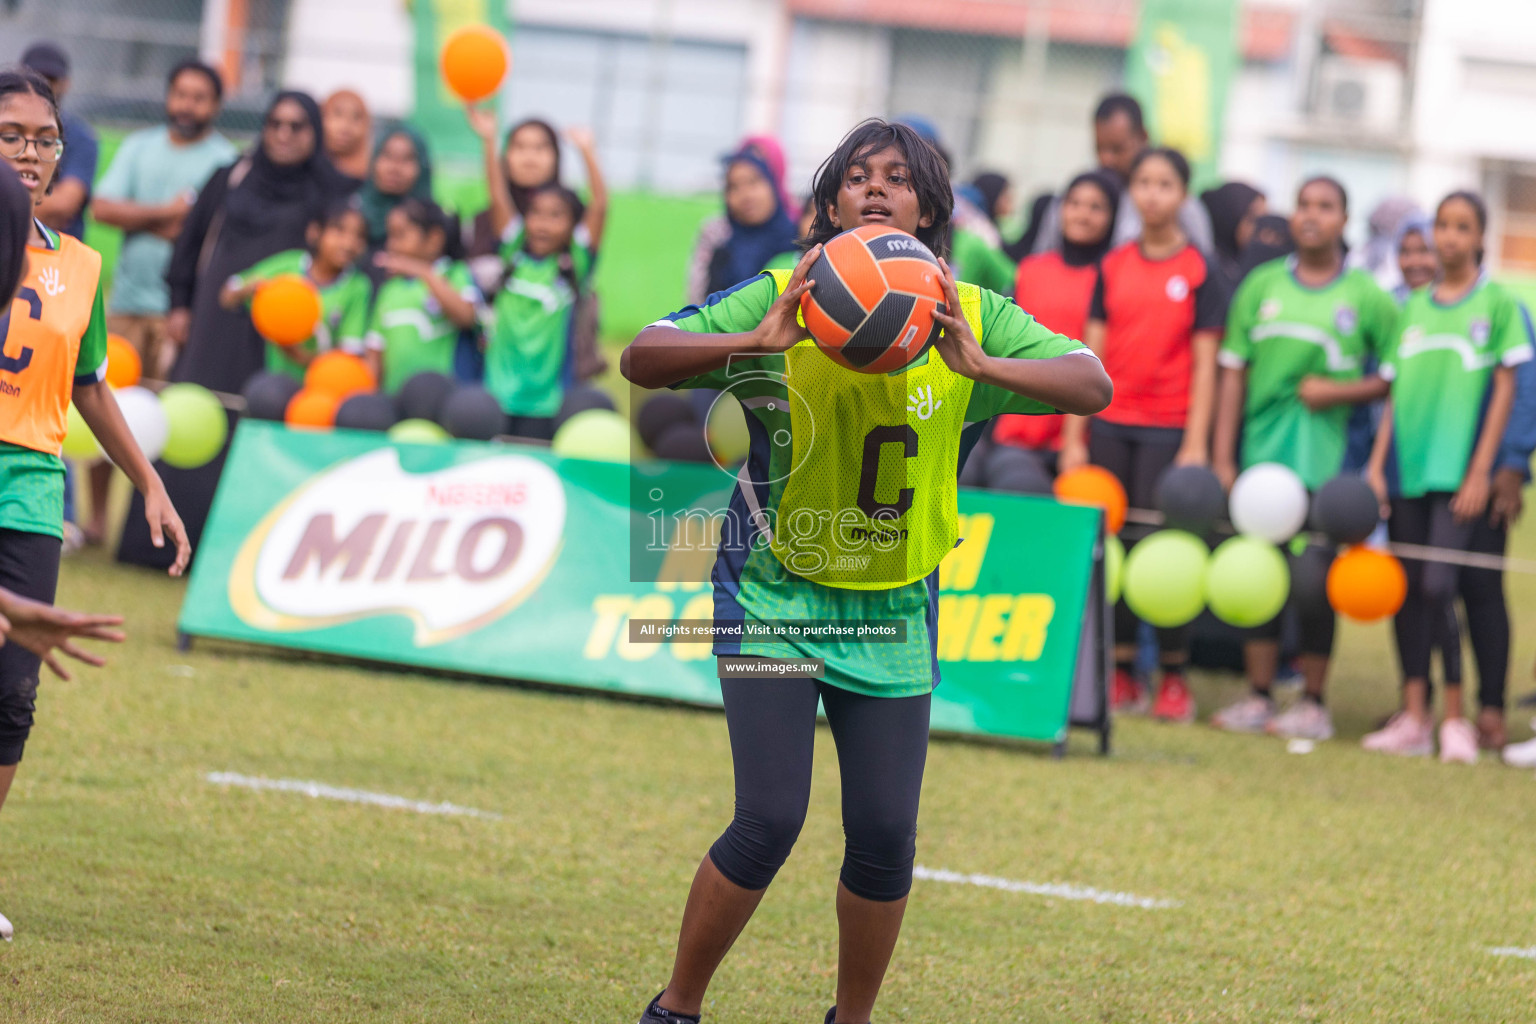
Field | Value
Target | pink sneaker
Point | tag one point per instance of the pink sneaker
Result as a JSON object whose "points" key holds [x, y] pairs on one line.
{"points": [[1252, 713], [1458, 742], [1404, 736]]}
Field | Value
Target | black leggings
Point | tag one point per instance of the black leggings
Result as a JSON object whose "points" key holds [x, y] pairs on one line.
{"points": [[1482, 592], [1315, 624], [1138, 456], [29, 566], [882, 745], [1431, 585]]}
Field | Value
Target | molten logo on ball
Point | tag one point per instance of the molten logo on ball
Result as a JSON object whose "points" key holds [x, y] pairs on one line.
{"points": [[872, 306]]}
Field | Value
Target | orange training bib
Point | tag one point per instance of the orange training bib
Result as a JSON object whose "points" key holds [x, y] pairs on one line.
{"points": [[40, 342]]}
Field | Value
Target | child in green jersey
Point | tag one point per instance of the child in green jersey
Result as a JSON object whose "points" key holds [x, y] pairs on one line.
{"points": [[428, 301], [856, 449], [1451, 366], [336, 240], [1293, 364], [549, 242]]}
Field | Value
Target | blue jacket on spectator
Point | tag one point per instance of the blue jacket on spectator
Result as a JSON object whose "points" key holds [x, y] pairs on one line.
{"points": [[1520, 435]]}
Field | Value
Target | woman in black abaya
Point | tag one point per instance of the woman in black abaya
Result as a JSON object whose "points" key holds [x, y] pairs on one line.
{"points": [[257, 206]]}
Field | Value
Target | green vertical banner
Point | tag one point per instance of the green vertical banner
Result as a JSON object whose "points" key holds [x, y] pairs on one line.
{"points": [[438, 112], [1180, 66]]}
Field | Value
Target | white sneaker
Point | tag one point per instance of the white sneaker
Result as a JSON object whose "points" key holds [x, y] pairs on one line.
{"points": [[6, 931], [1304, 720], [1250, 714], [1521, 755]]}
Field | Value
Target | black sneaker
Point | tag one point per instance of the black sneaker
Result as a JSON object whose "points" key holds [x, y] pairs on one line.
{"points": [[831, 1016], [656, 1015]]}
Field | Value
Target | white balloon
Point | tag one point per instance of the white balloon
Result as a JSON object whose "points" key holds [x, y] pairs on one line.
{"points": [[1270, 501], [145, 418]]}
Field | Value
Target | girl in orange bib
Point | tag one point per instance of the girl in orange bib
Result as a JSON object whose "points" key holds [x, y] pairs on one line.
{"points": [[53, 341]]}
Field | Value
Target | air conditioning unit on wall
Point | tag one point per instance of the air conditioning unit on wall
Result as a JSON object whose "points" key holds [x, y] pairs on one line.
{"points": [[1360, 95]]}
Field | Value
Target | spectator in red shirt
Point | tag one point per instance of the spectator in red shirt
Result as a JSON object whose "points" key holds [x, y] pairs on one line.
{"points": [[1156, 320], [1056, 287]]}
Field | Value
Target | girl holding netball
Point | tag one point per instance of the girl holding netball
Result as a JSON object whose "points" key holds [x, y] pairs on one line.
{"points": [[862, 449]]}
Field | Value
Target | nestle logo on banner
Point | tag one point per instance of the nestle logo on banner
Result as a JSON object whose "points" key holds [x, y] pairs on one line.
{"points": [[452, 550]]}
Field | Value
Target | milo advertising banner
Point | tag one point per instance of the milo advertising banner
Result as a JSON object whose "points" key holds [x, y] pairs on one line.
{"points": [[509, 561]]}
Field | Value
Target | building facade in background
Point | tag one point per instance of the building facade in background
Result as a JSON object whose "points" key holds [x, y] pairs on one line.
{"points": [[1394, 97]]}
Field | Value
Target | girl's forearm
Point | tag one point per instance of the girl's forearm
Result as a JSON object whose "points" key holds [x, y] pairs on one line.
{"points": [[459, 310], [597, 209], [1383, 442], [1495, 422], [1202, 392], [1229, 413], [1074, 383], [660, 356], [99, 410], [501, 210]]}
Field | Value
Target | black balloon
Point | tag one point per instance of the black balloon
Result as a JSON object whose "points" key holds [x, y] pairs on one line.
{"points": [[973, 473], [1346, 509], [1190, 498], [366, 412], [1021, 472], [473, 414], [1309, 579], [422, 397], [267, 395], [660, 413], [580, 399], [683, 442], [1001, 459]]}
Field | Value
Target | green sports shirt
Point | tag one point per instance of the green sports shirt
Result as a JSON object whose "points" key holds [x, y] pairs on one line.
{"points": [[1282, 331], [851, 479], [32, 482], [1441, 364], [982, 262], [529, 331], [409, 328], [343, 308]]}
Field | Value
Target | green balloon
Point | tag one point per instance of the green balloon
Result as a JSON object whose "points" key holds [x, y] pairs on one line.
{"points": [[726, 429], [79, 442], [417, 432], [1114, 566], [196, 426], [1247, 581], [600, 434], [1165, 578]]}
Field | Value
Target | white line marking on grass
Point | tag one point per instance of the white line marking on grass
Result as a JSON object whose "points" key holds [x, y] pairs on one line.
{"points": [[352, 796], [1523, 954], [1059, 890]]}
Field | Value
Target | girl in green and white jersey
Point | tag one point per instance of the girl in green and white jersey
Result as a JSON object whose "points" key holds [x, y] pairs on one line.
{"points": [[1451, 366]]}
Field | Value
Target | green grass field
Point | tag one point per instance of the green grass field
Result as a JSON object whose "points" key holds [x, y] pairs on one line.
{"points": [[1335, 886]]}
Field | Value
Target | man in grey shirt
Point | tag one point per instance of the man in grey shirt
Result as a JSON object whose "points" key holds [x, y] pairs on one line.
{"points": [[1119, 136]]}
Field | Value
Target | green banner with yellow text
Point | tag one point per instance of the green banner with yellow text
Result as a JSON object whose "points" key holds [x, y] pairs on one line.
{"points": [[1180, 66], [512, 562]]}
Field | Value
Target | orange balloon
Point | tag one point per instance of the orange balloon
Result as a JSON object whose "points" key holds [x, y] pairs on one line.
{"points": [[311, 409], [1095, 485], [339, 373], [474, 61], [286, 310], [124, 368], [1366, 584]]}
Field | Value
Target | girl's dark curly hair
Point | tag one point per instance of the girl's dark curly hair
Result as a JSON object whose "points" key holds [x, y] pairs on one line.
{"points": [[926, 170]]}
